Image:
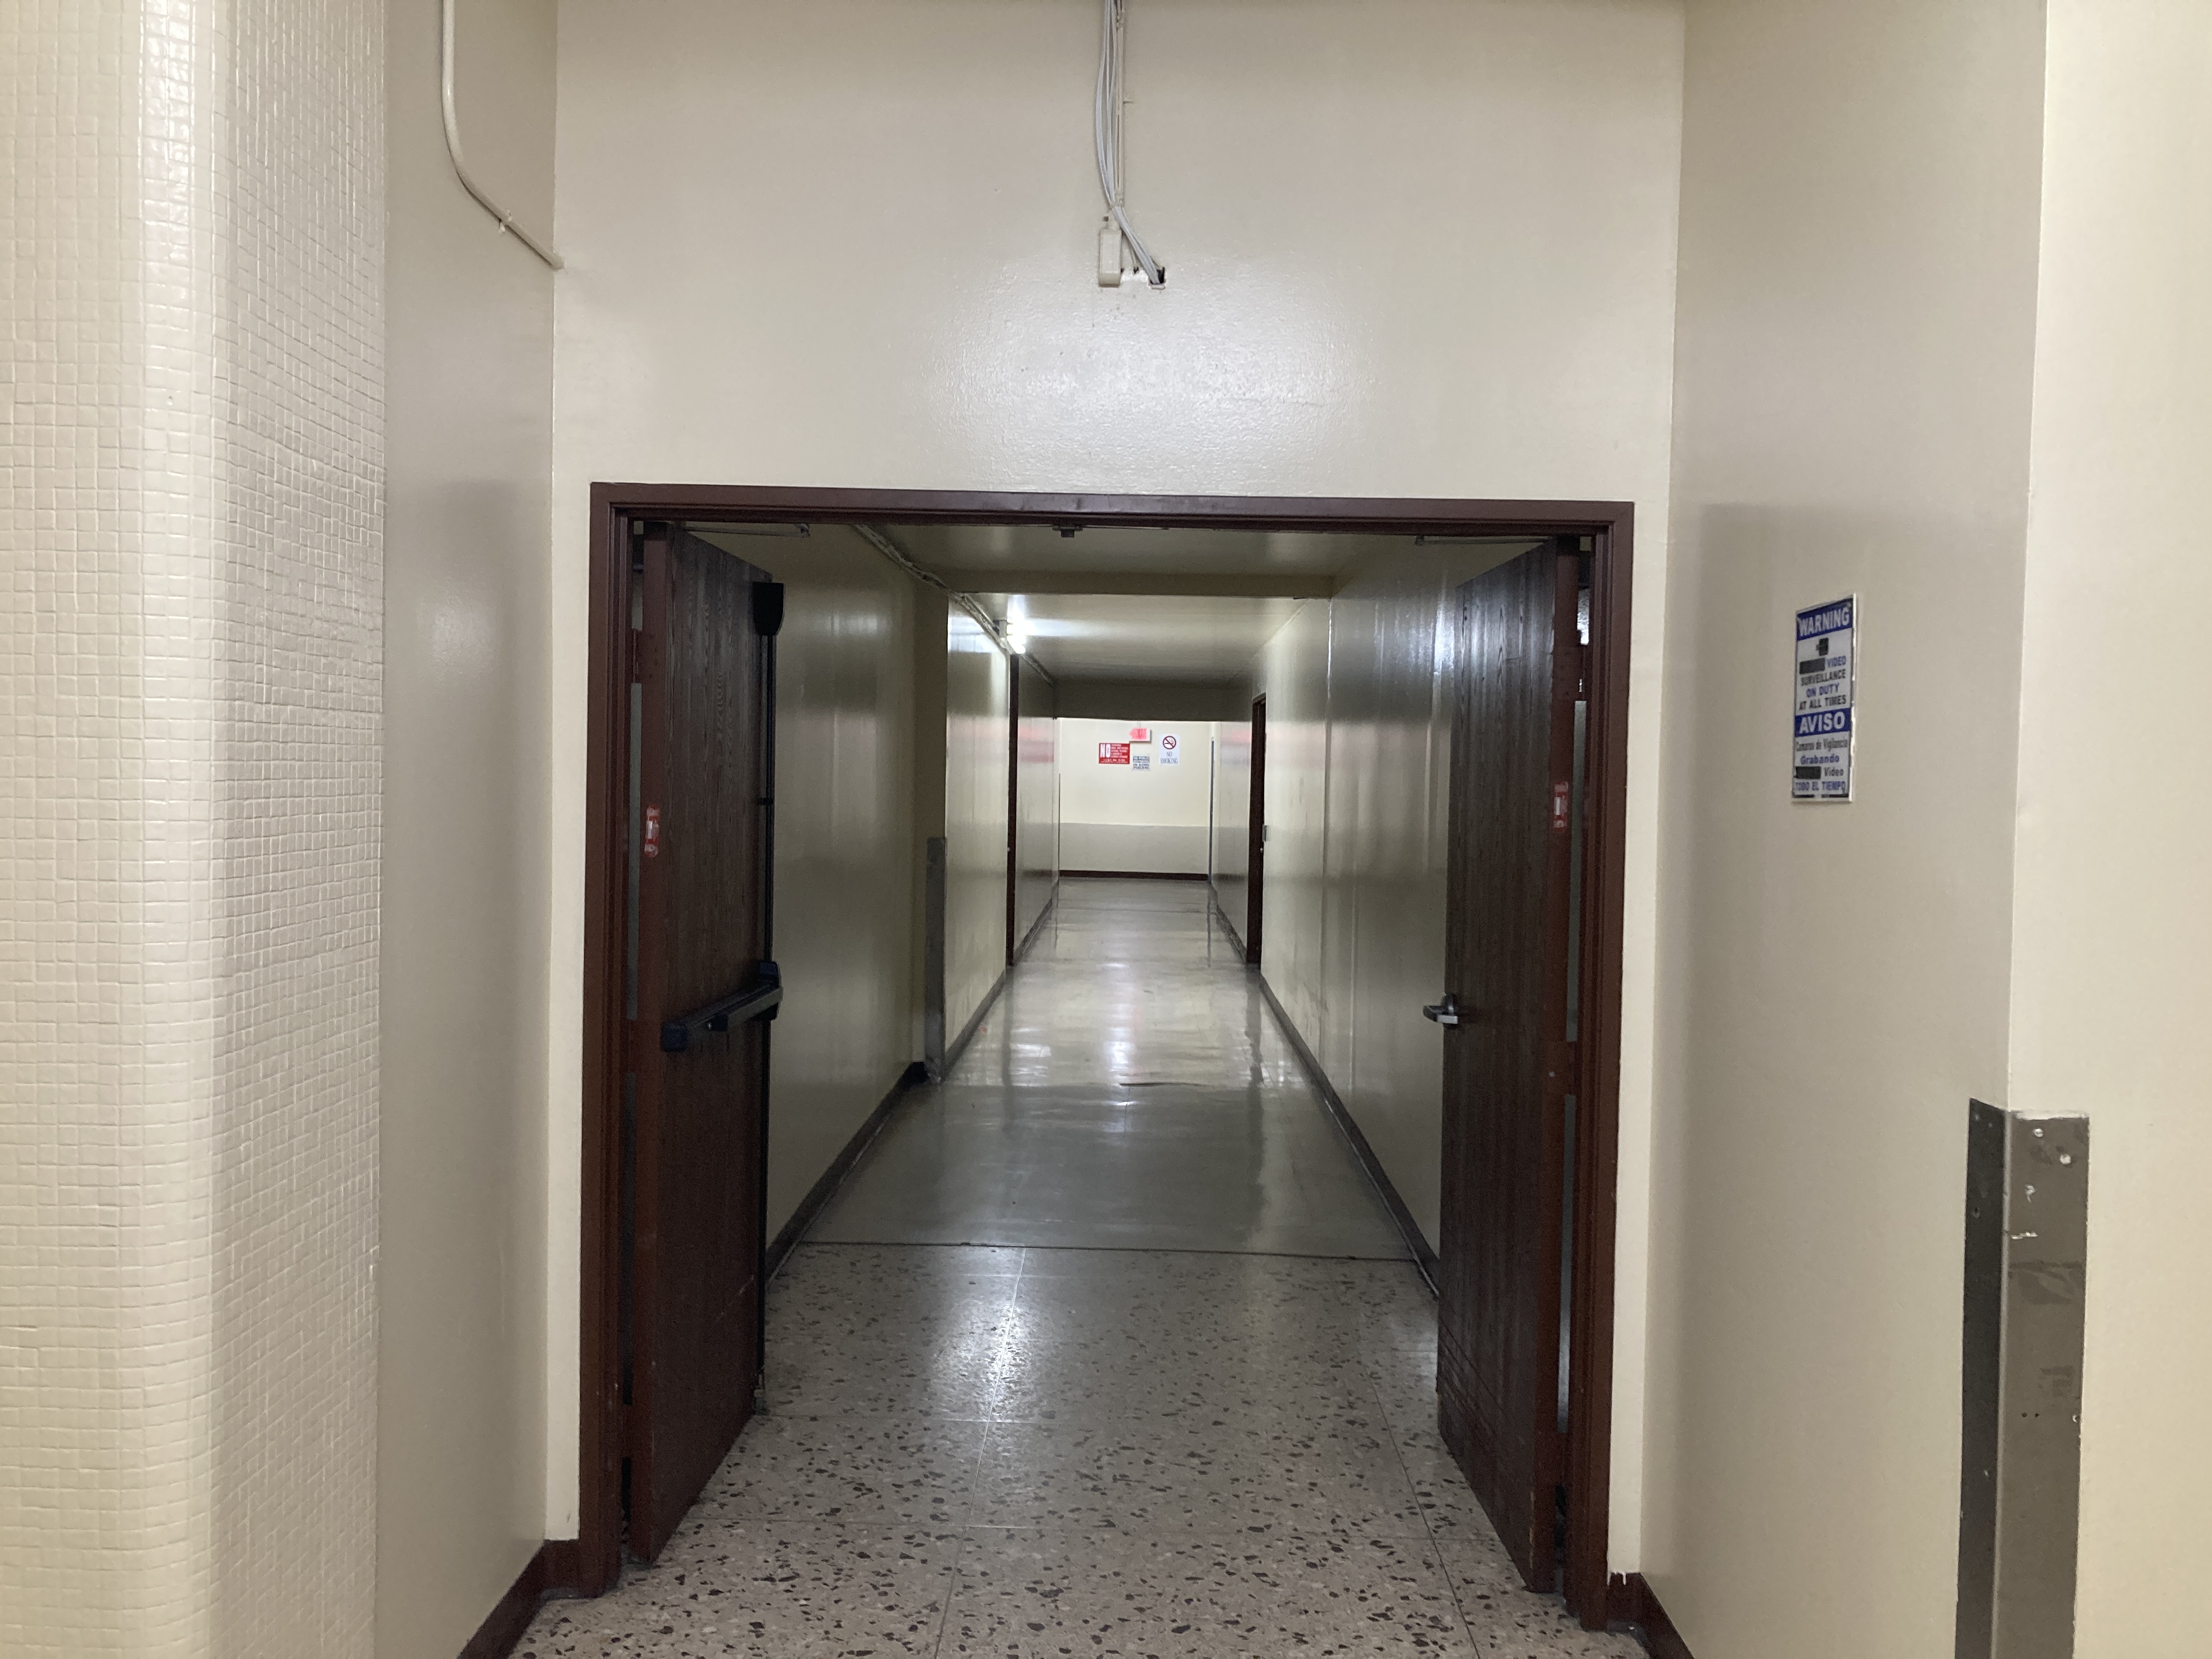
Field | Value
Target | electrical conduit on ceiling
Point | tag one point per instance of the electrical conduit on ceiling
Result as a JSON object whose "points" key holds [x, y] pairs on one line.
{"points": [[453, 143], [891, 550]]}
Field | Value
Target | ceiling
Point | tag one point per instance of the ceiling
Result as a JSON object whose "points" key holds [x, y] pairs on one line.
{"points": [[1122, 549], [1194, 606], [1195, 639], [1125, 602]]}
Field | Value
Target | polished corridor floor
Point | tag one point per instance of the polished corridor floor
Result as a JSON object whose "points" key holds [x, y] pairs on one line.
{"points": [[1130, 1090], [1108, 1348]]}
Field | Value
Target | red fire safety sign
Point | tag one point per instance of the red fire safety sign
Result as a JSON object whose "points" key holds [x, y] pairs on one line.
{"points": [[1113, 754]]}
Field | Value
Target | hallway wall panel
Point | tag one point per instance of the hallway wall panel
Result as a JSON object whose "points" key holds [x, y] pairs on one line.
{"points": [[1519, 162], [1036, 839], [1858, 294], [463, 1409], [1379, 665], [1390, 707], [977, 713], [1294, 675], [845, 856]]}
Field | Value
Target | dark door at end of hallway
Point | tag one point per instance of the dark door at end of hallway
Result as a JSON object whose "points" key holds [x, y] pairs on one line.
{"points": [[1013, 809], [1509, 1064], [697, 990], [1255, 844]]}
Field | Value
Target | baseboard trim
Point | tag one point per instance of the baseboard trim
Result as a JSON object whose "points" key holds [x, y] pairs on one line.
{"points": [[1135, 875], [550, 1573], [1424, 1257], [1037, 926], [959, 1044], [825, 1189], [1213, 897], [1630, 1600]]}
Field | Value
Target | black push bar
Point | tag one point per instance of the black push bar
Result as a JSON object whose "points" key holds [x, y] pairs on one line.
{"points": [[756, 1001]]}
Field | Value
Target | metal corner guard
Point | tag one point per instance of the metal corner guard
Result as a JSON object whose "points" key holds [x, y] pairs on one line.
{"points": [[2019, 1482]]}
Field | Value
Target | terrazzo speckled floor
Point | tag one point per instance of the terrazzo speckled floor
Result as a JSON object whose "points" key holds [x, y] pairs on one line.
{"points": [[1003, 1422]]}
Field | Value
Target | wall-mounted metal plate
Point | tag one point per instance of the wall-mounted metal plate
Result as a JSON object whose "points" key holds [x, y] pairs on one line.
{"points": [[2027, 1191]]}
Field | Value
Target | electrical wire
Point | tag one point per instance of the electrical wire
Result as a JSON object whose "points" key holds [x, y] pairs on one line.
{"points": [[453, 143], [1106, 136], [891, 550]]}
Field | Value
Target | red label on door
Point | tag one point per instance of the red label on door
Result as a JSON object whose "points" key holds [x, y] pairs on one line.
{"points": [[651, 849], [1561, 794], [1113, 754]]}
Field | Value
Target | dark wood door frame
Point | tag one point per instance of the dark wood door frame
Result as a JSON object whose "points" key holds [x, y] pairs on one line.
{"points": [[1609, 528]]}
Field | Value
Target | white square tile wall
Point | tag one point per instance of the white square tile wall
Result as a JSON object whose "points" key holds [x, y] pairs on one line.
{"points": [[190, 688]]}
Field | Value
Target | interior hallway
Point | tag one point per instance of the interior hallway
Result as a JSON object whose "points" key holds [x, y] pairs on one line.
{"points": [[1107, 1348], [1128, 1090]]}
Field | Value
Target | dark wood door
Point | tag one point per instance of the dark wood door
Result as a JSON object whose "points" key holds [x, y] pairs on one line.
{"points": [[1508, 1065], [698, 1100], [1255, 844]]}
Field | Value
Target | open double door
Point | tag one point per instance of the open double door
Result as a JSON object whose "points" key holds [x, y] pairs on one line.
{"points": [[679, 833], [1520, 1343]]}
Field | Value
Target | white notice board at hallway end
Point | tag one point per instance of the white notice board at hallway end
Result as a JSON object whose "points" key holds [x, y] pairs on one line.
{"points": [[1822, 729]]}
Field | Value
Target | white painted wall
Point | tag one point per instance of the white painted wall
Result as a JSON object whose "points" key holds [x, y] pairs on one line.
{"points": [[192, 540], [1117, 817], [854, 244], [1857, 309], [461, 1330], [977, 710], [2114, 887]]}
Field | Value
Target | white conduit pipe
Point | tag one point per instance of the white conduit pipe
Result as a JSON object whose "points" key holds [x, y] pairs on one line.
{"points": [[1106, 138], [891, 549], [453, 144]]}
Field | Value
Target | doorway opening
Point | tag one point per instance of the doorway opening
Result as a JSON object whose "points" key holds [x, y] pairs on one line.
{"points": [[1594, 537]]}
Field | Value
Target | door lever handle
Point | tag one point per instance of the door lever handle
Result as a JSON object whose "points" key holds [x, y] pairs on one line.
{"points": [[1446, 1013]]}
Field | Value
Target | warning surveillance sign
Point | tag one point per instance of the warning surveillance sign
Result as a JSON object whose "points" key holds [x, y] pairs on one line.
{"points": [[1822, 726]]}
